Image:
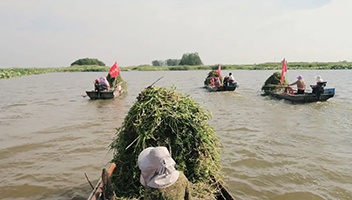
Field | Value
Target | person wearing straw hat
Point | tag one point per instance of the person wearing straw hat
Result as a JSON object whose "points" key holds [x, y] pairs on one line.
{"points": [[301, 85], [319, 87], [319, 79], [159, 176]]}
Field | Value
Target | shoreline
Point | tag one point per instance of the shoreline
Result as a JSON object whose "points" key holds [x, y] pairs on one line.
{"points": [[6, 73]]}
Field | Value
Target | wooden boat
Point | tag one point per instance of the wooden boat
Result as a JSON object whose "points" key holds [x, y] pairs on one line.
{"points": [[303, 98], [213, 82], [103, 190], [221, 88], [109, 94], [103, 185], [224, 194]]}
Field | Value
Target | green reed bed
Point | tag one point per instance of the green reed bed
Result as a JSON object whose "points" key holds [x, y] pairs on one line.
{"points": [[17, 72]]}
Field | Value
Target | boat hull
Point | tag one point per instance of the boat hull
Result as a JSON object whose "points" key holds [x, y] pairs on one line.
{"points": [[103, 94], [221, 88], [98, 189], [304, 98]]}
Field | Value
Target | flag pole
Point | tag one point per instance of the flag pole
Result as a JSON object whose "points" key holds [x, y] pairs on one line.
{"points": [[283, 70]]}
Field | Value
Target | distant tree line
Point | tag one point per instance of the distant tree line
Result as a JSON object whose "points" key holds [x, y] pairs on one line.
{"points": [[187, 59]]}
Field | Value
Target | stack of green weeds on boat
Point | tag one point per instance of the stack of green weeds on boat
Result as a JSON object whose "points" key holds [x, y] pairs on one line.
{"points": [[212, 74], [273, 81], [164, 117]]}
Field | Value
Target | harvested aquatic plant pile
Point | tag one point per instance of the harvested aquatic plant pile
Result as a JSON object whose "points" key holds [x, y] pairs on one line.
{"points": [[114, 82], [212, 73], [273, 80], [164, 117]]}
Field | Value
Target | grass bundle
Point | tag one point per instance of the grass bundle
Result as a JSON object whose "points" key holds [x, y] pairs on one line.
{"points": [[116, 81], [164, 117], [273, 80], [212, 73]]}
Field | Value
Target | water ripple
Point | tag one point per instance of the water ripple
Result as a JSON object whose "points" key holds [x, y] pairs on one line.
{"points": [[271, 149]]}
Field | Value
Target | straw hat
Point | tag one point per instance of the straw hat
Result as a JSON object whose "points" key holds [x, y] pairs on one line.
{"points": [[157, 167], [318, 78]]}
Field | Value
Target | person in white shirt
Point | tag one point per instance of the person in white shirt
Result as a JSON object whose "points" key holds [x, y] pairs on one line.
{"points": [[231, 80]]}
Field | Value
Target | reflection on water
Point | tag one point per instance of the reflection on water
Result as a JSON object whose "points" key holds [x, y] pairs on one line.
{"points": [[272, 149]]}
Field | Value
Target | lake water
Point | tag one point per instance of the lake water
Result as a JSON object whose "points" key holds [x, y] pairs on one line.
{"points": [[50, 135]]}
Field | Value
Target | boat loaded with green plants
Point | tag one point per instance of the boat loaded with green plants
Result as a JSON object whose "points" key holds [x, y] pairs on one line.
{"points": [[164, 117], [214, 82], [103, 190], [109, 87], [279, 91], [276, 86]]}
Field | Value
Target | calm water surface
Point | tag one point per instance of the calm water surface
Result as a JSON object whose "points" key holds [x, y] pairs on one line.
{"points": [[50, 135]]}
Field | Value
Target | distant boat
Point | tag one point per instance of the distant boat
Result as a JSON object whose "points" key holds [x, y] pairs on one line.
{"points": [[324, 95], [213, 82], [102, 89]]}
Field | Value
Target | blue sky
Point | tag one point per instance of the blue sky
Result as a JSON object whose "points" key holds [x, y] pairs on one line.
{"points": [[55, 33]]}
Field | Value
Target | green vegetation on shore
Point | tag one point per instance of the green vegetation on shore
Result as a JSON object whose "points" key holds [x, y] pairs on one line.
{"points": [[17, 72]]}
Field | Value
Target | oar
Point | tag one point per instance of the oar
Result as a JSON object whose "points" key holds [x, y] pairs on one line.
{"points": [[276, 86], [90, 183], [155, 82]]}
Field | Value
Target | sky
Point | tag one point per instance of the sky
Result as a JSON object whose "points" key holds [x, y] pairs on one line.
{"points": [[55, 33]]}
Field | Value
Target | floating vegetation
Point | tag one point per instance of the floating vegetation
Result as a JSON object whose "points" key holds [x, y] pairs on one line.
{"points": [[164, 117]]}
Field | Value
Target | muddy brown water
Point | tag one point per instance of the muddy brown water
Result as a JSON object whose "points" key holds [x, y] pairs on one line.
{"points": [[50, 135]]}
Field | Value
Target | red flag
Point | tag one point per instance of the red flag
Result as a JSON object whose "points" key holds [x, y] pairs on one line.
{"points": [[114, 70], [219, 70], [283, 70]]}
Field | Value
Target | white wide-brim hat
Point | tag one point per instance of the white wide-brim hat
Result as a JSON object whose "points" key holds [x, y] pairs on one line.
{"points": [[318, 78], [157, 167]]}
